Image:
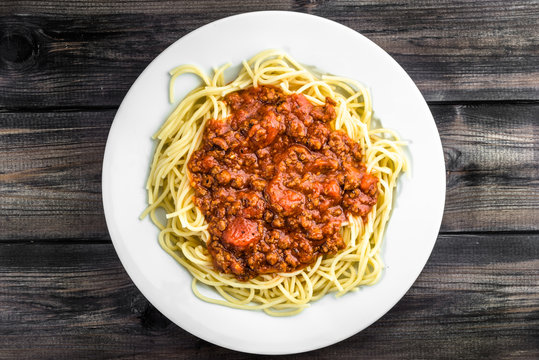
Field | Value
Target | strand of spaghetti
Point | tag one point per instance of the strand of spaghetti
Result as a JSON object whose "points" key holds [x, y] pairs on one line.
{"points": [[274, 79], [233, 304], [218, 77], [179, 113], [236, 299], [183, 69], [154, 205]]}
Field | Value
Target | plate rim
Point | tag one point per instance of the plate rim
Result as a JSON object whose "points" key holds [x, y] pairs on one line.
{"points": [[107, 199]]}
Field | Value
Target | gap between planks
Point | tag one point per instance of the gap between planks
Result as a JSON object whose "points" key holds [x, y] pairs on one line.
{"points": [[90, 241], [98, 108]]}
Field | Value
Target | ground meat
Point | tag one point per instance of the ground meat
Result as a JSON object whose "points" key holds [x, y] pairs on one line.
{"points": [[275, 183]]}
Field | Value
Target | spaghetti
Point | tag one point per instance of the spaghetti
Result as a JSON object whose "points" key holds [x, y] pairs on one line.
{"points": [[185, 235]]}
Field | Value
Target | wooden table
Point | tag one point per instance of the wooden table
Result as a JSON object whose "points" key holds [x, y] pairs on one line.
{"points": [[64, 69]]}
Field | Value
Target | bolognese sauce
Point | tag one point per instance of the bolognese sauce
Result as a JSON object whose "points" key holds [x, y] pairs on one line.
{"points": [[275, 183]]}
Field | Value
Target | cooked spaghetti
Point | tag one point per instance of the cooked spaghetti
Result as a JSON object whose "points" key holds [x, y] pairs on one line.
{"points": [[276, 188]]}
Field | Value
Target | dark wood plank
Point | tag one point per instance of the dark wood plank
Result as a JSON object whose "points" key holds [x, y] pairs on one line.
{"points": [[92, 53], [478, 297], [50, 171], [492, 166], [50, 174]]}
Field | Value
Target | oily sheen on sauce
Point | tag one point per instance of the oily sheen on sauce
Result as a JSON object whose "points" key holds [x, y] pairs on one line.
{"points": [[275, 183]]}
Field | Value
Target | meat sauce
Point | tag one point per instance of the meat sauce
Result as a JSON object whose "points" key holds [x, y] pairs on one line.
{"points": [[275, 183]]}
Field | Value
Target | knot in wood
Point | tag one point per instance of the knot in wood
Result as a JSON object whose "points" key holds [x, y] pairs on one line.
{"points": [[17, 46]]}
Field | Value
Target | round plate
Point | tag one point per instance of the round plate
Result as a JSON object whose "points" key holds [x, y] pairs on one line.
{"points": [[333, 48]]}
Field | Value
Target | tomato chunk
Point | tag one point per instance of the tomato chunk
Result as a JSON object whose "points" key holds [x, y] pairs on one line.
{"points": [[289, 200], [368, 184], [241, 232], [332, 189], [266, 131]]}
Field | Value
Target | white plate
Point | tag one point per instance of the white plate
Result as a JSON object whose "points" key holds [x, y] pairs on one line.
{"points": [[311, 40]]}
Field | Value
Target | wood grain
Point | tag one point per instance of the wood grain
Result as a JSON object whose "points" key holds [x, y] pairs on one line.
{"points": [[67, 301], [50, 174], [492, 164], [92, 53], [50, 171]]}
